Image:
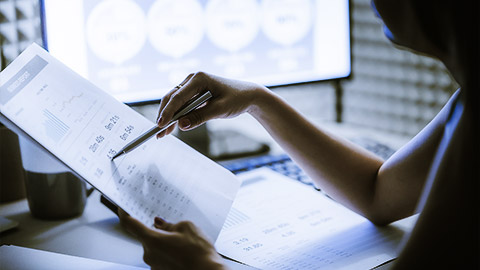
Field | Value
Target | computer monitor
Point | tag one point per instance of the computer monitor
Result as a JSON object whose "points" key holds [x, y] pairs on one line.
{"points": [[139, 50]]}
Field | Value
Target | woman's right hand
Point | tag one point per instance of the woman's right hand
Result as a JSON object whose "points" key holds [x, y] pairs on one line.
{"points": [[230, 98]]}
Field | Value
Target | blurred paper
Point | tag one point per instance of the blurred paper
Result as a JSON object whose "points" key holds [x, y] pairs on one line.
{"points": [[21, 258], [279, 223], [83, 127]]}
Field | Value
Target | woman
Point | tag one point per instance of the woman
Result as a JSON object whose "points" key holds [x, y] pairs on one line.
{"points": [[435, 174]]}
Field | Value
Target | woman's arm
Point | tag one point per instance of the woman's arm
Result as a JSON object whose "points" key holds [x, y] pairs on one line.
{"points": [[381, 191]]}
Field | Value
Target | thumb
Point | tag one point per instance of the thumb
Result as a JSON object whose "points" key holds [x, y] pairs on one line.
{"points": [[162, 224]]}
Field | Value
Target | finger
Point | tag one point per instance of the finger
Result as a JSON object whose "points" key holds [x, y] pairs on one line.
{"points": [[134, 226], [199, 116], [163, 103], [171, 129], [185, 226], [191, 88], [164, 225], [161, 224], [161, 134], [158, 222], [166, 98], [187, 79], [182, 226], [167, 131]]}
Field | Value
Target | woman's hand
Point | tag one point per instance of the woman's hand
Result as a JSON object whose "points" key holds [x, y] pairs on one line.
{"points": [[229, 99], [172, 246]]}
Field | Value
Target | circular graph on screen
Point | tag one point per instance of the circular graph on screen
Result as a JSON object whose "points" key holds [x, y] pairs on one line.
{"points": [[175, 27], [232, 24], [115, 30], [287, 21]]}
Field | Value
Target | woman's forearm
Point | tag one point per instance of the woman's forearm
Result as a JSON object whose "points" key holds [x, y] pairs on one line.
{"points": [[344, 171]]}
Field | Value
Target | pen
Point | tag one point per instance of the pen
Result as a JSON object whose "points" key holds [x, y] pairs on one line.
{"points": [[192, 105]]}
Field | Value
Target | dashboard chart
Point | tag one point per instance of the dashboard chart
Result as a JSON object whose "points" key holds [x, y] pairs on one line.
{"points": [[138, 50]]}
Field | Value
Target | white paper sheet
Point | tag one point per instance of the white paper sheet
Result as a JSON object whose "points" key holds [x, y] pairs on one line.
{"points": [[21, 258], [84, 126], [279, 223]]}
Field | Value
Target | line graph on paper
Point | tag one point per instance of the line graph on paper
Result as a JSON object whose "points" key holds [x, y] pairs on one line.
{"points": [[72, 106], [75, 107], [69, 101]]}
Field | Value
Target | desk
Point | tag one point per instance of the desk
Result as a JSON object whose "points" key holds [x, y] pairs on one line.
{"points": [[96, 234]]}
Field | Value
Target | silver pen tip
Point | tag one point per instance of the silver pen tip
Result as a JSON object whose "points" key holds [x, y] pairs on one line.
{"points": [[117, 155]]}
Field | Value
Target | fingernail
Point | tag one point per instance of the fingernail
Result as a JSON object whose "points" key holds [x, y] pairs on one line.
{"points": [[159, 121], [159, 221], [185, 123]]}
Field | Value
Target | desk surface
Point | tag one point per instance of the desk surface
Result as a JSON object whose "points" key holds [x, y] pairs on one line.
{"points": [[96, 234]]}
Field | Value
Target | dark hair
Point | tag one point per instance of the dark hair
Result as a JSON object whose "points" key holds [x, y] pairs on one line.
{"points": [[452, 25], [433, 22]]}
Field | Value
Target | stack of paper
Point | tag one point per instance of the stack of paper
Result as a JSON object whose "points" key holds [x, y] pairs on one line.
{"points": [[279, 223]]}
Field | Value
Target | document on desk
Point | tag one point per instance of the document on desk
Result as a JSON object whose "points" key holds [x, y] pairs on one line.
{"points": [[22, 258], [279, 223], [84, 127]]}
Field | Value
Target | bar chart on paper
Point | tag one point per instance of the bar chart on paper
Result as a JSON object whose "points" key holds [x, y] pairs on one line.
{"points": [[279, 223], [55, 128], [235, 218]]}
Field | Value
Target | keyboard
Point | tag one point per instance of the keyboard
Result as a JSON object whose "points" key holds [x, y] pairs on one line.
{"points": [[283, 164]]}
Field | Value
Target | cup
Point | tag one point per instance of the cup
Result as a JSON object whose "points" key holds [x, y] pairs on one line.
{"points": [[12, 185], [53, 192]]}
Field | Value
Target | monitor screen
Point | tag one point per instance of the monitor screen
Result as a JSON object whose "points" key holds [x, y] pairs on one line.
{"points": [[139, 50]]}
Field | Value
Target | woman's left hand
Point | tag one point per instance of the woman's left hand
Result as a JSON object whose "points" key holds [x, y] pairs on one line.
{"points": [[173, 246]]}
